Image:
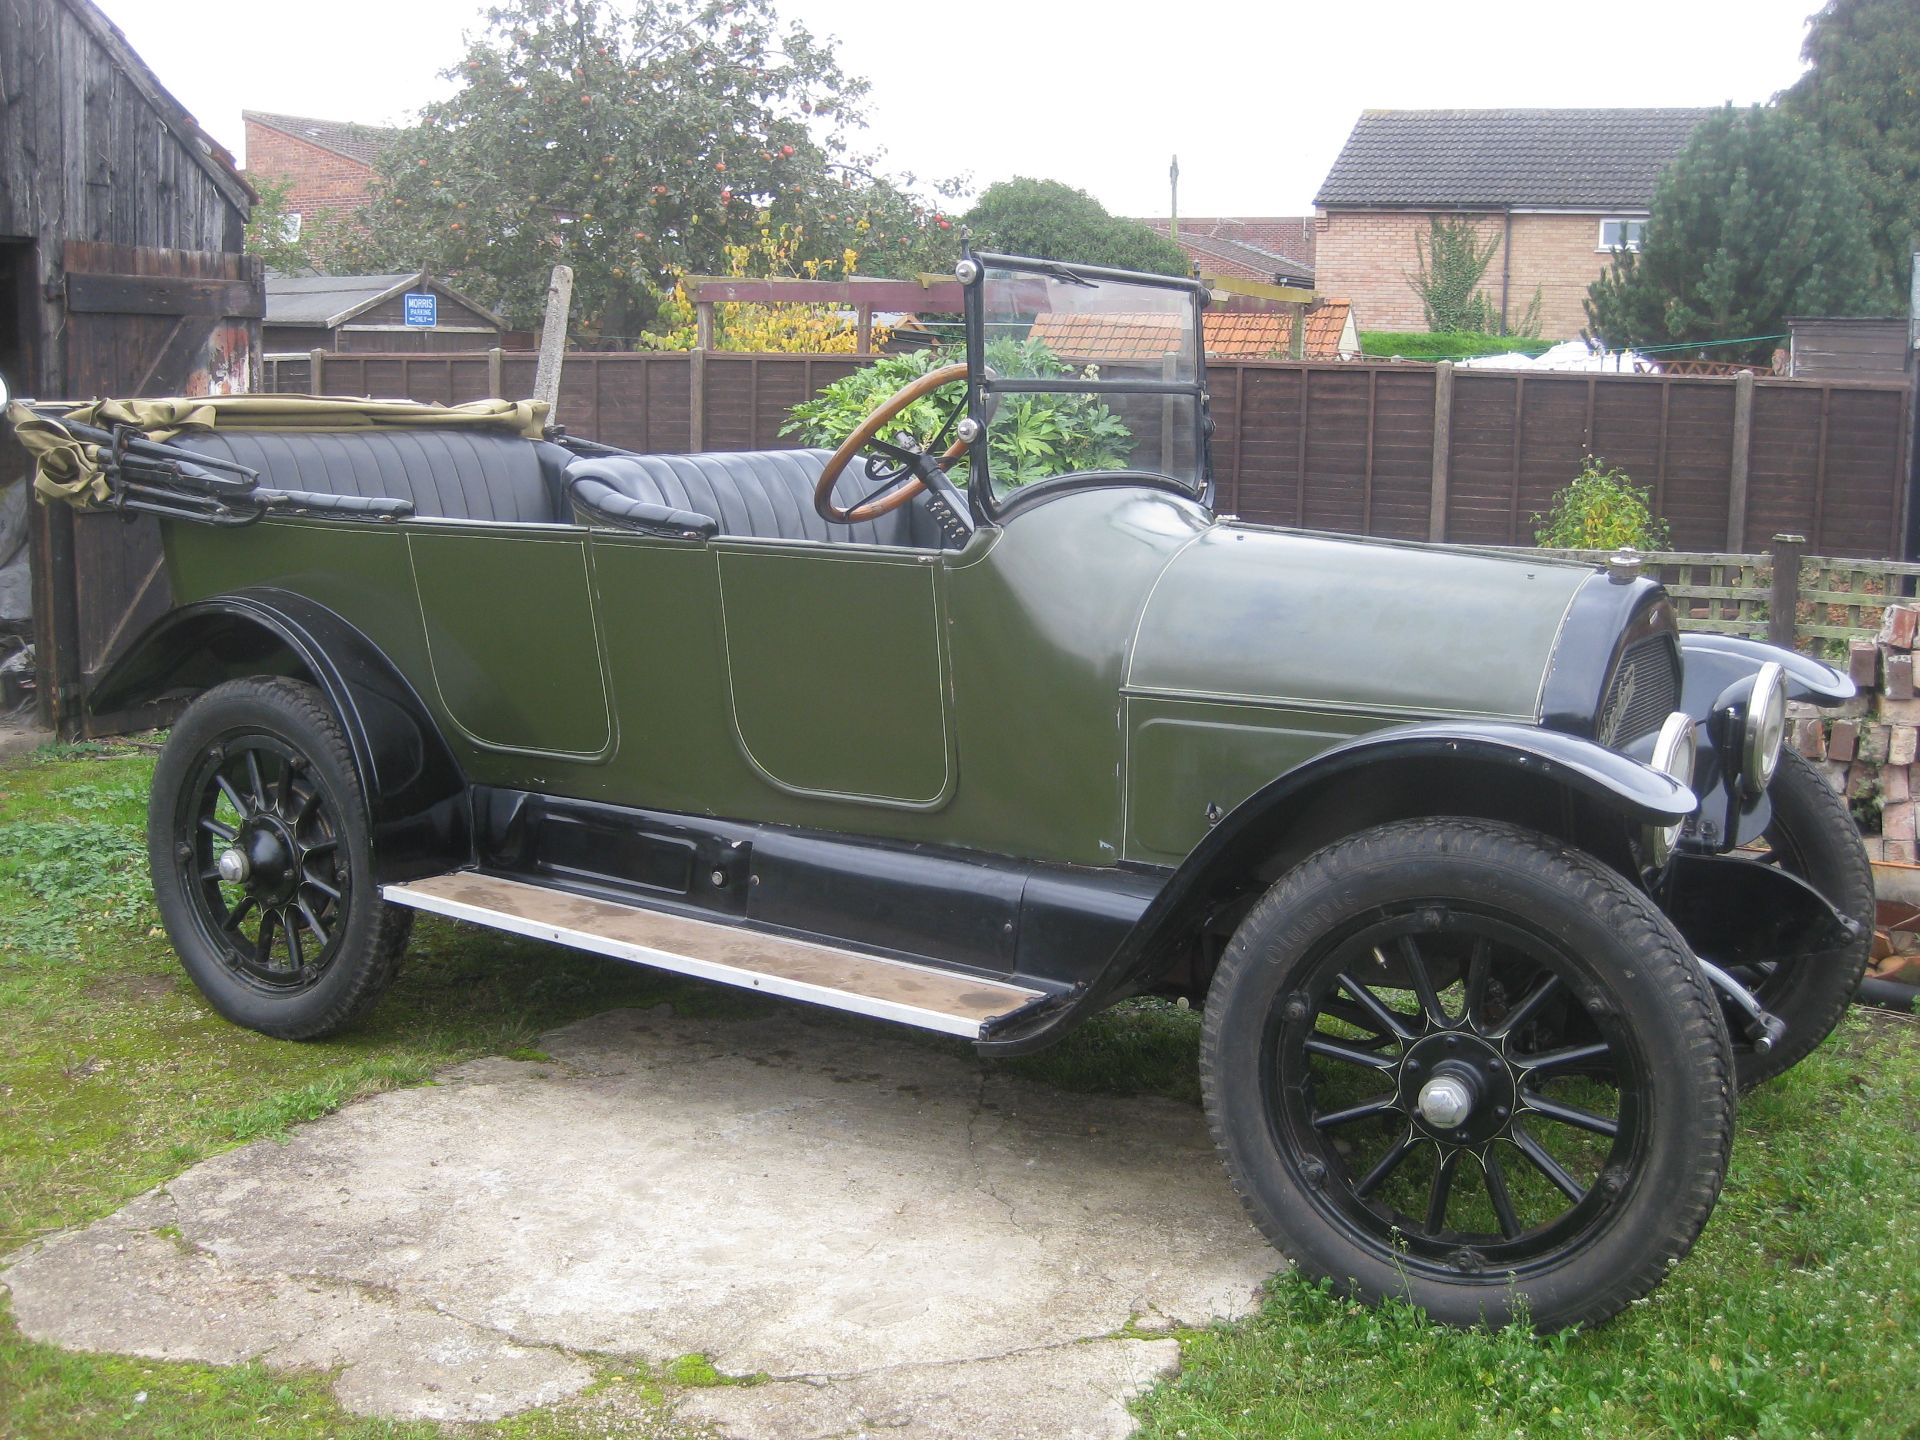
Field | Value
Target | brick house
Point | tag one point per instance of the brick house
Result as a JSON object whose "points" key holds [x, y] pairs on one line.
{"points": [[328, 162], [1557, 189], [1273, 249]]}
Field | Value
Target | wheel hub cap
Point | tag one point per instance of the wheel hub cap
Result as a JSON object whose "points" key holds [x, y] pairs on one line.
{"points": [[234, 866], [1446, 1101], [1458, 1087]]}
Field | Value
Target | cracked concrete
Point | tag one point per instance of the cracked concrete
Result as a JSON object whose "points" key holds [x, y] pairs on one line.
{"points": [[900, 1239]]}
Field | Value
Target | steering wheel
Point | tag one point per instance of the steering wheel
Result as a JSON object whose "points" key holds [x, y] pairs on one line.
{"points": [[912, 470]]}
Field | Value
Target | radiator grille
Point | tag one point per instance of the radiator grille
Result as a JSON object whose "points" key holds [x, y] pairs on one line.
{"points": [[1645, 689]]}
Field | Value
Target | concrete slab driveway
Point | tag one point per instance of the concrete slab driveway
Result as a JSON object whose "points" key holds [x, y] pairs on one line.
{"points": [[903, 1240]]}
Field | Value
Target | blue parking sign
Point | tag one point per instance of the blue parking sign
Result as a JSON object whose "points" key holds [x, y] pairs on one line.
{"points": [[422, 310]]}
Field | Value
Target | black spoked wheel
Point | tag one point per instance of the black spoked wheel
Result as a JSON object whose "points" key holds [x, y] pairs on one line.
{"points": [[270, 892], [258, 841], [1811, 835], [1453, 1061]]}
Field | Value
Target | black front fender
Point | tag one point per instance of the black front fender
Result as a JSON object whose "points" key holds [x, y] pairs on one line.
{"points": [[1496, 758], [1713, 662], [416, 793]]}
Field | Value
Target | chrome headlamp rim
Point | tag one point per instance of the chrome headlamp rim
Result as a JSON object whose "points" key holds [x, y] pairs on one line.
{"points": [[1764, 727], [1675, 749]]}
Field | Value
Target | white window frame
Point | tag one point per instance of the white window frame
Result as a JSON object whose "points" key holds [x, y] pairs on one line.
{"points": [[1628, 225]]}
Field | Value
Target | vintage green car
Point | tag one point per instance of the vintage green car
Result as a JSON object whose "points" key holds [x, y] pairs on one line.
{"points": [[1494, 887]]}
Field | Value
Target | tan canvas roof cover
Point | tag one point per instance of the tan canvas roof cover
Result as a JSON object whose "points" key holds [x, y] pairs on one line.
{"points": [[67, 468]]}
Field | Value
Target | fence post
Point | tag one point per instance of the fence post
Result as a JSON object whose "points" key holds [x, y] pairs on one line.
{"points": [[697, 398], [1742, 449], [1785, 601], [316, 361], [1442, 443], [496, 367]]}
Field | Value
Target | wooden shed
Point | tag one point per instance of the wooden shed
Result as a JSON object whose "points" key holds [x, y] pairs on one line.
{"points": [[390, 313], [121, 232], [1848, 347]]}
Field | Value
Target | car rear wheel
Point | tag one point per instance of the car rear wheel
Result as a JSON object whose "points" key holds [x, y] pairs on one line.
{"points": [[258, 842], [1457, 1062], [1812, 835]]}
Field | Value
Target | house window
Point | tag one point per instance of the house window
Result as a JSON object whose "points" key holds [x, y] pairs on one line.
{"points": [[1621, 234], [290, 226]]}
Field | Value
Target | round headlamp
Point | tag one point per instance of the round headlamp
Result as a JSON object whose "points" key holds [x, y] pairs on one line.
{"points": [[1765, 727], [1673, 754]]}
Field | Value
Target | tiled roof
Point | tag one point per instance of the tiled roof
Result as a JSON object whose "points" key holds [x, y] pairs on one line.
{"points": [[344, 137], [1289, 236], [1241, 261], [1260, 334], [1231, 334], [1110, 337], [1585, 159]]}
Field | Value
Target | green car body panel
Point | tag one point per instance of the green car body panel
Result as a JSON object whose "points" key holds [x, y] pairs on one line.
{"points": [[1083, 684]]}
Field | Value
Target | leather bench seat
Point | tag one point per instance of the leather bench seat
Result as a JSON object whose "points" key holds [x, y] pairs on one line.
{"points": [[483, 475], [766, 494], [459, 474]]}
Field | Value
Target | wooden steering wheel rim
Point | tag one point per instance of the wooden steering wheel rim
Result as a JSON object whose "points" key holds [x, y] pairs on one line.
{"points": [[857, 441]]}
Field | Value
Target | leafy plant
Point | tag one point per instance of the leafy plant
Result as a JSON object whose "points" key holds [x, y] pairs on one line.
{"points": [[1858, 92], [787, 329], [634, 142], [1453, 259], [1601, 509], [1054, 221], [1444, 345], [1754, 221], [1031, 438]]}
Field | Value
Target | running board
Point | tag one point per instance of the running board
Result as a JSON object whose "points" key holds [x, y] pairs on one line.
{"points": [[918, 995]]}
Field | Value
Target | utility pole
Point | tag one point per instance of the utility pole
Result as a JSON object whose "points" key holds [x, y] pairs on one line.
{"points": [[1173, 184]]}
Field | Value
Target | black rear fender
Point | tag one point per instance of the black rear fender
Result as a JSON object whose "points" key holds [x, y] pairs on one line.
{"points": [[414, 788]]}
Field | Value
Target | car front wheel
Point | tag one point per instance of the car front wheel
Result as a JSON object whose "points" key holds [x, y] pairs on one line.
{"points": [[258, 841], [1812, 835], [1458, 1062]]}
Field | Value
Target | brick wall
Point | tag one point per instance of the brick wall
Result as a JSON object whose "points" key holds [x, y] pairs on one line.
{"points": [[1366, 255], [324, 181]]}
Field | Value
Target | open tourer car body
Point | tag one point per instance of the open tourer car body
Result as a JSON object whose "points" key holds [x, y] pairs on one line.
{"points": [[1492, 884]]}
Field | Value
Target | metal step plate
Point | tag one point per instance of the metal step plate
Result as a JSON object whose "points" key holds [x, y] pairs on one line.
{"points": [[917, 995]]}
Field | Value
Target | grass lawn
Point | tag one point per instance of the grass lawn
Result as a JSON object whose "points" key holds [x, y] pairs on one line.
{"points": [[1798, 1315]]}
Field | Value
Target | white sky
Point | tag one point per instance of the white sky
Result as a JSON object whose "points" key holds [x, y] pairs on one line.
{"points": [[1255, 98]]}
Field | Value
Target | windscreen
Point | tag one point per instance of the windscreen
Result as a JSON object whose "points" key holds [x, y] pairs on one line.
{"points": [[1086, 373]]}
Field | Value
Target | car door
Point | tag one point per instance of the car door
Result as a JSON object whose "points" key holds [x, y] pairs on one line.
{"points": [[837, 672], [512, 636]]}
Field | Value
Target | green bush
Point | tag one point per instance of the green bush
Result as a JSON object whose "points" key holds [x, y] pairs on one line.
{"points": [[1600, 509], [1033, 436], [1445, 344]]}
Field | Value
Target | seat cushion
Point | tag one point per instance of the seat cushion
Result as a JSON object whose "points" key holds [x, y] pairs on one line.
{"points": [[766, 494], [458, 474]]}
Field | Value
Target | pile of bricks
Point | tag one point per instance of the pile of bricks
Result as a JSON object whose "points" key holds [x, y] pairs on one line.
{"points": [[1868, 746]]}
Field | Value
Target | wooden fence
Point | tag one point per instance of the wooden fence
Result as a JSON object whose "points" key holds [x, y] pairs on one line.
{"points": [[1405, 451]]}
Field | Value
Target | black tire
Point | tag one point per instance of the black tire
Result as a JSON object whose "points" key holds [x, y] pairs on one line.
{"points": [[1562, 975], [1812, 835], [302, 946]]}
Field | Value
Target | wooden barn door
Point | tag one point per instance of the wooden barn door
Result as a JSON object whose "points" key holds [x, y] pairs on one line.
{"points": [[138, 322]]}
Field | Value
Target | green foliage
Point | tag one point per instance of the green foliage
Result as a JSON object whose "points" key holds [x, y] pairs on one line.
{"points": [[1861, 95], [1445, 344], [1755, 220], [1453, 258], [1601, 509], [1053, 221], [1032, 436], [319, 242], [636, 144]]}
